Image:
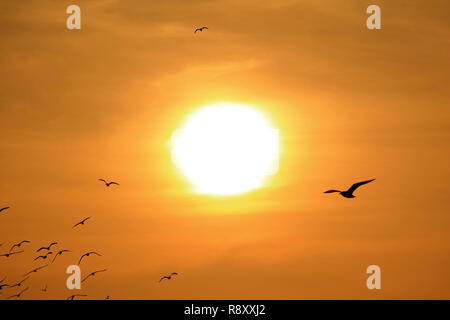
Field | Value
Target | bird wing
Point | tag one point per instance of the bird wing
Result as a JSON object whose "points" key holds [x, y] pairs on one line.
{"points": [[90, 274], [358, 184], [331, 191], [81, 258], [99, 271], [102, 180], [76, 224], [13, 247], [2, 209], [41, 249], [174, 273], [86, 219], [112, 182], [17, 252], [25, 241], [93, 252]]}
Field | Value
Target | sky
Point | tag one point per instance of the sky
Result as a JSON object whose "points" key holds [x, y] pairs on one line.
{"points": [[350, 104]]}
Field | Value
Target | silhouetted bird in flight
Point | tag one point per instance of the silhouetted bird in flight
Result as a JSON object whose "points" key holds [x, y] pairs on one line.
{"points": [[10, 253], [200, 29], [81, 222], [169, 276], [19, 294], [108, 183], [59, 253], [349, 192], [19, 283], [93, 274], [35, 270], [19, 244], [4, 285], [43, 257], [47, 248], [76, 295], [4, 208], [88, 254]]}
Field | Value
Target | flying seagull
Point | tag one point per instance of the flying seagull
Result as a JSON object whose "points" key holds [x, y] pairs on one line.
{"points": [[19, 283], [4, 208], [18, 295], [43, 257], [81, 222], [47, 248], [10, 253], [19, 244], [59, 253], [201, 29], [88, 254], [35, 270], [93, 274], [108, 183], [349, 192], [4, 285], [76, 295], [169, 276]]}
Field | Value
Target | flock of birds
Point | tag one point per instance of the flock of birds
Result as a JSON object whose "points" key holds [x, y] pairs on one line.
{"points": [[44, 253]]}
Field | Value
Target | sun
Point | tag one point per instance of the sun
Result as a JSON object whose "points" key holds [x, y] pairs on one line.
{"points": [[226, 149]]}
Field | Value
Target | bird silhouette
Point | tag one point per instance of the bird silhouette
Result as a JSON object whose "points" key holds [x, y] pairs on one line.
{"points": [[10, 253], [19, 294], [201, 29], [81, 222], [76, 295], [108, 183], [93, 274], [19, 244], [87, 254], [43, 257], [349, 192], [4, 208], [35, 270], [19, 283], [4, 285], [59, 253], [169, 276], [47, 248]]}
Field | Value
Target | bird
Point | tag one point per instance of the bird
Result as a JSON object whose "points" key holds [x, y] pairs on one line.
{"points": [[169, 276], [19, 283], [349, 192], [201, 29], [108, 183], [76, 295], [107, 298], [47, 248], [81, 222], [35, 270], [4, 208], [10, 253], [87, 254], [93, 274], [4, 285], [43, 257], [19, 294], [19, 244], [59, 253]]}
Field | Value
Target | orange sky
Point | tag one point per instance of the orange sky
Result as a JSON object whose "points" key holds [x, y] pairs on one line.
{"points": [[350, 104]]}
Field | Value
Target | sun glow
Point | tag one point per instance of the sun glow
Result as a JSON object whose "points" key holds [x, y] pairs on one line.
{"points": [[226, 149]]}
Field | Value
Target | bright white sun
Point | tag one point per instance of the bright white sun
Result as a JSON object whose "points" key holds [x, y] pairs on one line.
{"points": [[226, 149]]}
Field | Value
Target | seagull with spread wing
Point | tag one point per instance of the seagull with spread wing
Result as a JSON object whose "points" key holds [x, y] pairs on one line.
{"points": [[19, 294], [87, 254], [4, 208], [7, 255], [108, 183], [43, 257], [169, 276], [93, 274], [200, 29], [19, 244], [35, 270], [19, 283], [47, 248], [59, 253], [76, 295], [349, 192], [81, 222]]}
